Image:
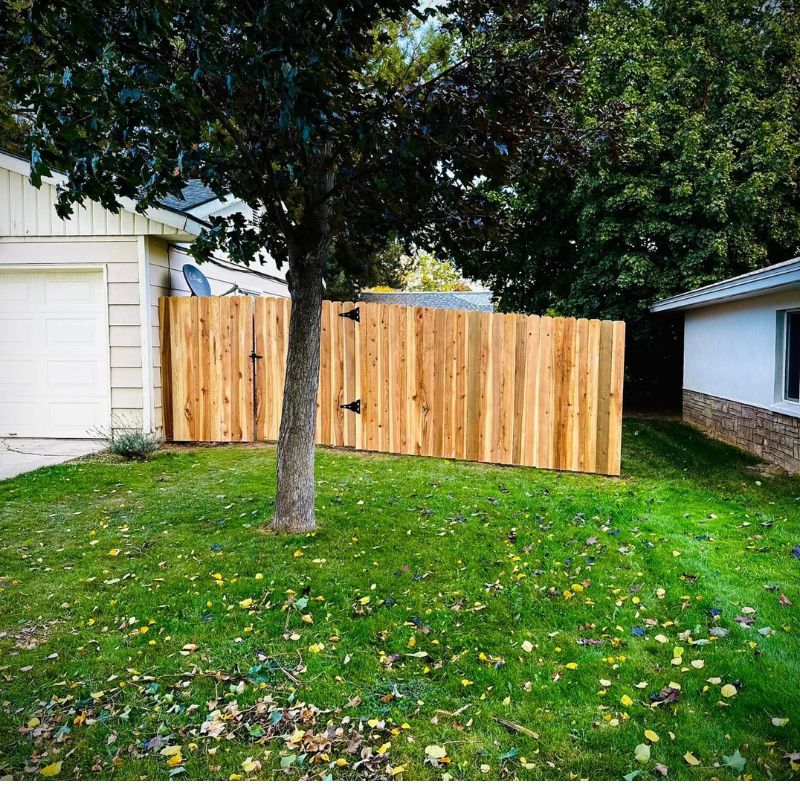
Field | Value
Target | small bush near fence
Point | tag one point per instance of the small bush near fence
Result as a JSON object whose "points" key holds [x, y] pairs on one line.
{"points": [[133, 445]]}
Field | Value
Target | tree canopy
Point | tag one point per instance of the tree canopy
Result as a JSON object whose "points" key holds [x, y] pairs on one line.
{"points": [[12, 129], [133, 100], [694, 177]]}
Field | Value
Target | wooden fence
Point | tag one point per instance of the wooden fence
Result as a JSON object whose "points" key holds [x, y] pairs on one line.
{"points": [[499, 388]]}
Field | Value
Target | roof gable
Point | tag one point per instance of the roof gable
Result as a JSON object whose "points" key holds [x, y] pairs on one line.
{"points": [[31, 212]]}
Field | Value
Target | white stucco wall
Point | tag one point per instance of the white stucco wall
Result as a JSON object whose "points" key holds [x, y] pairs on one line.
{"points": [[732, 350]]}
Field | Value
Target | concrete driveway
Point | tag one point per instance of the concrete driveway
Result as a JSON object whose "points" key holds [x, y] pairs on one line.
{"points": [[25, 455]]}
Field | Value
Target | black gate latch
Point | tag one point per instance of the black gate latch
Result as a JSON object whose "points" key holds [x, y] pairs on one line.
{"points": [[355, 406], [354, 314], [255, 356]]}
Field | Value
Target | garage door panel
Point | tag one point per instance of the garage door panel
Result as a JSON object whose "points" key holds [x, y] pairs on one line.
{"points": [[65, 421], [32, 378], [73, 375], [54, 369], [75, 417], [16, 331], [17, 373], [15, 291], [69, 332], [19, 415], [80, 290]]}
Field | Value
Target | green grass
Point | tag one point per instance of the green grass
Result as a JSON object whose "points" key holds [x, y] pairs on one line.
{"points": [[423, 582]]}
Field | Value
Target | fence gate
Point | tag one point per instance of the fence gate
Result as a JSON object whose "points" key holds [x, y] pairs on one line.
{"points": [[207, 368], [498, 388]]}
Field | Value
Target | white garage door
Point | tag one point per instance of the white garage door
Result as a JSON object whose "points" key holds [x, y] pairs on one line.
{"points": [[54, 372]]}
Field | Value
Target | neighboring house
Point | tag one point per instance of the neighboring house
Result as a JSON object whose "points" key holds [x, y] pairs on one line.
{"points": [[741, 361], [79, 338], [462, 301]]}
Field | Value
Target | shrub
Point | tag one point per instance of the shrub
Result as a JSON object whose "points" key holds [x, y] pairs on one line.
{"points": [[133, 445]]}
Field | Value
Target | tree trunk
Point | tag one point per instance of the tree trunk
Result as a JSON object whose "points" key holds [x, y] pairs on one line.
{"points": [[294, 499], [308, 249]]}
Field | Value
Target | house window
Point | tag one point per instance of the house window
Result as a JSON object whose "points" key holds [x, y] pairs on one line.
{"points": [[792, 369]]}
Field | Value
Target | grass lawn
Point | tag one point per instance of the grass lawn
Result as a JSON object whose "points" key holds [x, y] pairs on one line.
{"points": [[148, 627]]}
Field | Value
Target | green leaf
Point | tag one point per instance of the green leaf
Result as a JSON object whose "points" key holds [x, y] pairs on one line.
{"points": [[287, 761], [735, 761]]}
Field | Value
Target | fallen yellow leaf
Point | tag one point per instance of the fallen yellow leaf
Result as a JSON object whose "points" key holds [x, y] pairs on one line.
{"points": [[250, 765], [435, 752]]}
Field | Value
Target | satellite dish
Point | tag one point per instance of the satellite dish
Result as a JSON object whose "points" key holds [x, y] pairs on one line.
{"points": [[198, 283]]}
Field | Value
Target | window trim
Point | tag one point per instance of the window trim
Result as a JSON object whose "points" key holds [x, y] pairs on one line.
{"points": [[784, 366]]}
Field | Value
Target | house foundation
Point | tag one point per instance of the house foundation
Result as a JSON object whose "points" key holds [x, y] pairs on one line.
{"points": [[772, 436]]}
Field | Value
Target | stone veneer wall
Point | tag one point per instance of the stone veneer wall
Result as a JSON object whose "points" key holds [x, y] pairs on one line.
{"points": [[771, 436]]}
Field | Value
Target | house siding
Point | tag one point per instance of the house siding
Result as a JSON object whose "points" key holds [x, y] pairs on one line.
{"points": [[159, 277], [27, 211]]}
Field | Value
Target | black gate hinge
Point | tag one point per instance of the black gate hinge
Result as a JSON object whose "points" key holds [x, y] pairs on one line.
{"points": [[354, 314], [355, 406]]}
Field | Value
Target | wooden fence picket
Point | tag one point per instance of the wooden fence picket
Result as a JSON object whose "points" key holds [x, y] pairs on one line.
{"points": [[207, 372], [499, 388]]}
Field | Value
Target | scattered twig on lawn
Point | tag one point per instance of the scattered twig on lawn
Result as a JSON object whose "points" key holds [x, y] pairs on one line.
{"points": [[288, 674], [513, 726], [453, 713]]}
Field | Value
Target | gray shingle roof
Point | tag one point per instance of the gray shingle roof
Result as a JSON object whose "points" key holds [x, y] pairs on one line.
{"points": [[461, 301], [194, 194]]}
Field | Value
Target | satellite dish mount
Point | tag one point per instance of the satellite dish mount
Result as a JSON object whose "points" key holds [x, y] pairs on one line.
{"points": [[198, 283]]}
